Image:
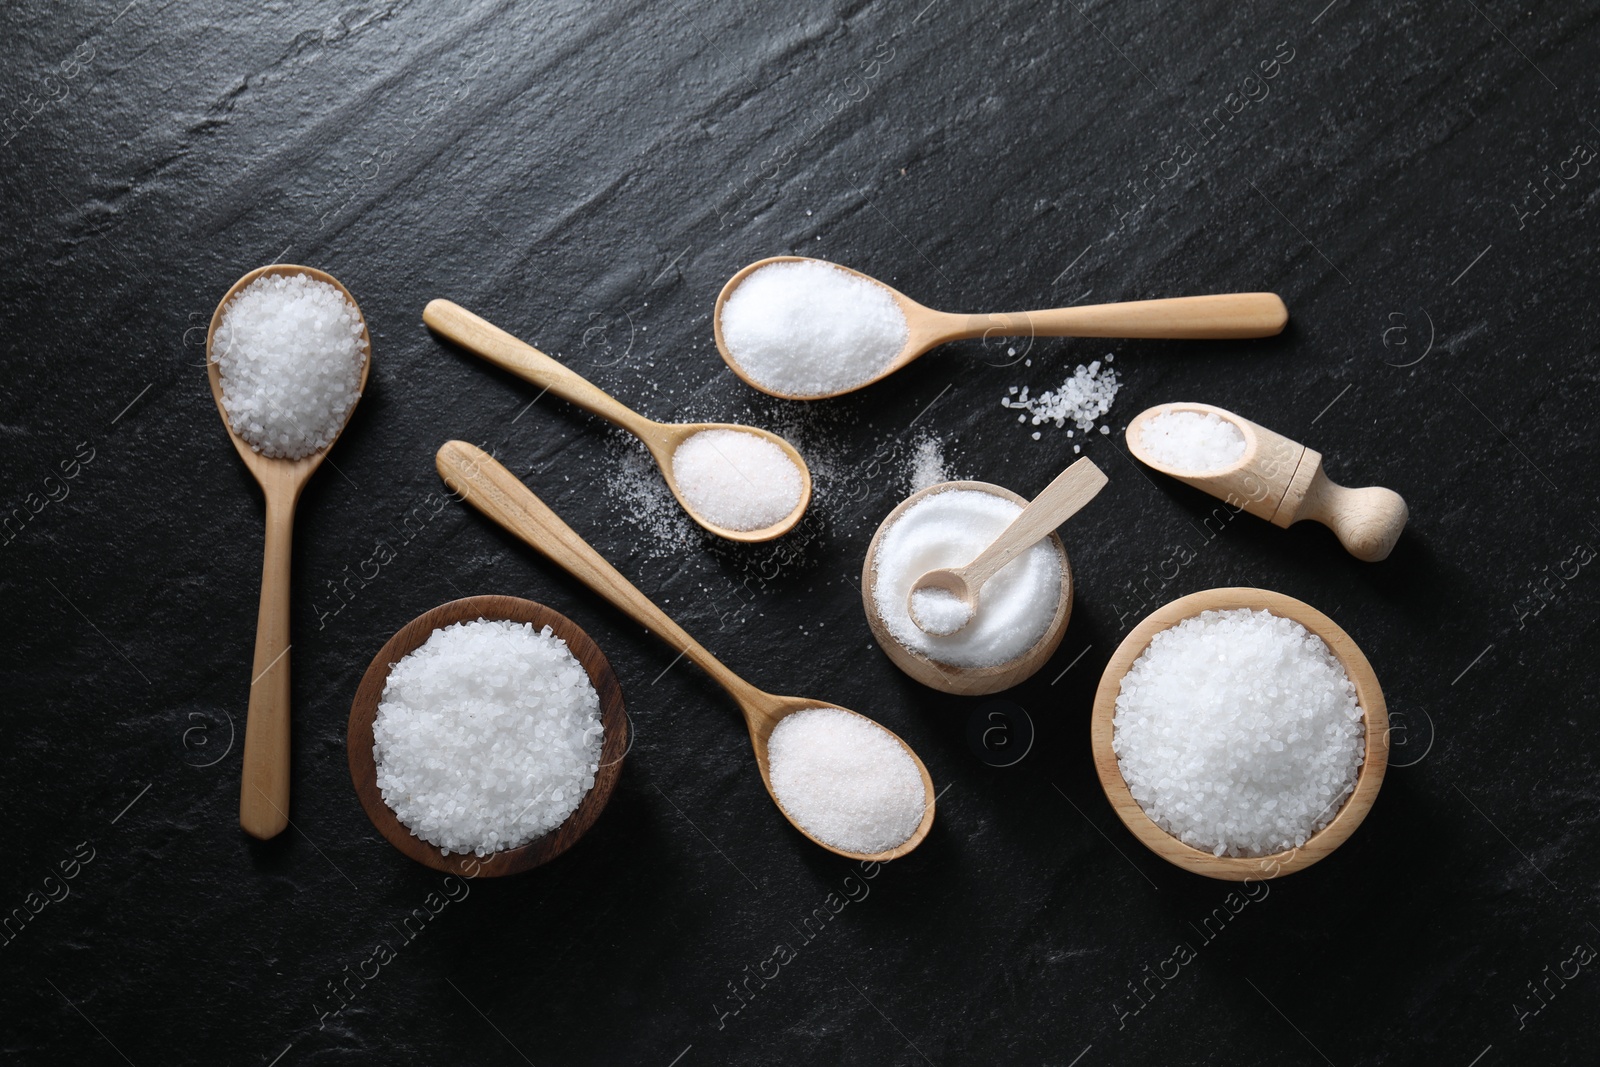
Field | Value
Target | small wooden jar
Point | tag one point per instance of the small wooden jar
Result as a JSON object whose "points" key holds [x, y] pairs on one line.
{"points": [[965, 681]]}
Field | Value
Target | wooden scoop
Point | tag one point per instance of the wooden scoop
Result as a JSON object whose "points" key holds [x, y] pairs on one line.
{"points": [[495, 491], [1218, 316], [1061, 499], [1283, 482]]}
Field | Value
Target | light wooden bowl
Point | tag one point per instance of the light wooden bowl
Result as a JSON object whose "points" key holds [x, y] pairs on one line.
{"points": [[965, 681], [1242, 868], [613, 746]]}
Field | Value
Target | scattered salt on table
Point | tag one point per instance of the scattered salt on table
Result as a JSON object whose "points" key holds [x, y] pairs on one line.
{"points": [[290, 351], [809, 328], [845, 779], [1192, 440], [1238, 732], [737, 480], [949, 529], [487, 736], [1081, 399]]}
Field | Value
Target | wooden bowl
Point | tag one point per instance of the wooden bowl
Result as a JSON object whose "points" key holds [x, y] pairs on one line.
{"points": [[1242, 868], [613, 746], [965, 681]]}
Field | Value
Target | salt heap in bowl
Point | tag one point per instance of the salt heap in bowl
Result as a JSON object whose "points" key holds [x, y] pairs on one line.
{"points": [[1238, 732], [487, 736], [290, 350], [809, 328], [948, 529]]}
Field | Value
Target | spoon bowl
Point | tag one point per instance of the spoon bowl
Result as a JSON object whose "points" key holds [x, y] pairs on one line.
{"points": [[1217, 316], [1241, 868], [264, 788], [663, 439], [364, 712], [482, 482]]}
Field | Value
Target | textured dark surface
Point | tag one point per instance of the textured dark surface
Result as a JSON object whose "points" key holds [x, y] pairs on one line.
{"points": [[588, 179]]}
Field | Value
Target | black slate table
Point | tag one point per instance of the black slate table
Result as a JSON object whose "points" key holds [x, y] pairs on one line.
{"points": [[1418, 180]]}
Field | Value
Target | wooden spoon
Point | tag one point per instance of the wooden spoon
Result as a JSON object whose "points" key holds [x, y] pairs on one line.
{"points": [[1061, 499], [264, 790], [1219, 316], [662, 439], [482, 482], [1283, 482]]}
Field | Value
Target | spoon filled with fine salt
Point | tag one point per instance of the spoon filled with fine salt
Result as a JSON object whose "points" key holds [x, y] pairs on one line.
{"points": [[739, 482], [943, 601], [807, 329], [842, 780], [288, 355]]}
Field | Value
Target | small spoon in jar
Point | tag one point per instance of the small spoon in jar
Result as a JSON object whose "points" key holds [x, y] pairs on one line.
{"points": [[1218, 316], [943, 601]]}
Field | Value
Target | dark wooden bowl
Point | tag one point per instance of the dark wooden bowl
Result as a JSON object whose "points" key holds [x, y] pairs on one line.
{"points": [[613, 746]]}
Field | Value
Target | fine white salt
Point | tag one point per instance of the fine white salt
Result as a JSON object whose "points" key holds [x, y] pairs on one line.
{"points": [[928, 466], [949, 529], [1192, 440], [1081, 399], [809, 328], [845, 779], [290, 351], [737, 480], [487, 736], [939, 611], [1238, 732]]}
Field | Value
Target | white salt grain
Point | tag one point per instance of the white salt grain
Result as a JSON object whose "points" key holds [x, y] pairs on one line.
{"points": [[939, 611], [845, 779], [928, 465], [949, 529], [809, 328], [1192, 440], [737, 480], [1081, 399], [1238, 732], [487, 736], [290, 351]]}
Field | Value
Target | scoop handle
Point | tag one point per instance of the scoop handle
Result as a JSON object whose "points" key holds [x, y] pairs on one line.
{"points": [[264, 783], [480, 480], [1367, 521], [1061, 499], [485, 339], [1219, 316]]}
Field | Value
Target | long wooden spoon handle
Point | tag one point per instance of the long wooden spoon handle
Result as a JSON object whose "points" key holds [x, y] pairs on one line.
{"points": [[1223, 315], [480, 480], [522, 359], [264, 787], [1061, 499]]}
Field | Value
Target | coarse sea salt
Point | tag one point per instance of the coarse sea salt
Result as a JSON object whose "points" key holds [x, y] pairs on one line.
{"points": [[949, 529], [737, 480], [1238, 732], [1192, 440], [809, 328], [487, 736], [1080, 400], [290, 351], [845, 779]]}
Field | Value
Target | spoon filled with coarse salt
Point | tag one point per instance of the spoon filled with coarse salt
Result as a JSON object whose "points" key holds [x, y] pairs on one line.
{"points": [[842, 780], [807, 329], [736, 481], [944, 600], [288, 355]]}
